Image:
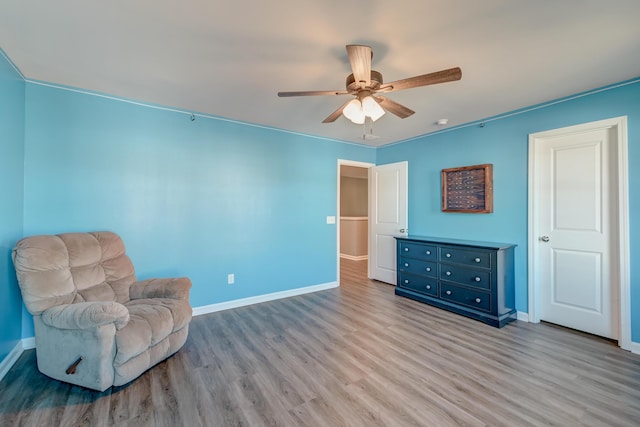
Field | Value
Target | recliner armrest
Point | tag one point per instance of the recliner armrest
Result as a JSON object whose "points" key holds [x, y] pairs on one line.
{"points": [[86, 315], [175, 288]]}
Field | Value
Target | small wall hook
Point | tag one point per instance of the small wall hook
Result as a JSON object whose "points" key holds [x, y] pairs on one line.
{"points": [[193, 118]]}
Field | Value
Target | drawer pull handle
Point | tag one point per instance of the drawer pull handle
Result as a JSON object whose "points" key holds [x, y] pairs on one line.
{"points": [[448, 255], [428, 286], [448, 273], [428, 252], [448, 292], [477, 279], [478, 300], [406, 281], [428, 268], [477, 260], [406, 249], [406, 264]]}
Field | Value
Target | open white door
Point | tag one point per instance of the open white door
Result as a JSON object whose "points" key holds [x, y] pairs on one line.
{"points": [[387, 218]]}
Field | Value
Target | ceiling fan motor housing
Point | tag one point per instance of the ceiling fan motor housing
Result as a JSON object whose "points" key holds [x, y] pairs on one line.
{"points": [[376, 82]]}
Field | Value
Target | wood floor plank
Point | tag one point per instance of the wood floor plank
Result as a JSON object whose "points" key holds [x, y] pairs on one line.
{"points": [[357, 355]]}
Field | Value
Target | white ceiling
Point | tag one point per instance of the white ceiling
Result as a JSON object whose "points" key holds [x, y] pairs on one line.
{"points": [[230, 58]]}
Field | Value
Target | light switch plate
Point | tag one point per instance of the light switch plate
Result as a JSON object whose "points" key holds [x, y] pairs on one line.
{"points": [[331, 219]]}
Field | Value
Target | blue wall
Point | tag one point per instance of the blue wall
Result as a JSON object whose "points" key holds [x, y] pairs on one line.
{"points": [[200, 199], [504, 142], [12, 121], [212, 197]]}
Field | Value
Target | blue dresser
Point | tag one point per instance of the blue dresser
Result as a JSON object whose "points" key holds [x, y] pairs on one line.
{"points": [[474, 279]]}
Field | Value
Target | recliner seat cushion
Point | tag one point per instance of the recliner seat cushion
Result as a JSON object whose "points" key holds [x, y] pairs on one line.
{"points": [[150, 322]]}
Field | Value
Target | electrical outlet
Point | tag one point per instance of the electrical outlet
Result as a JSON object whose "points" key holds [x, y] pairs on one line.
{"points": [[231, 279]]}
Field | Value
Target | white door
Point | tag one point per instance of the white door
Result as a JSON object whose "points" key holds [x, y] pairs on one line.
{"points": [[577, 208], [387, 218]]}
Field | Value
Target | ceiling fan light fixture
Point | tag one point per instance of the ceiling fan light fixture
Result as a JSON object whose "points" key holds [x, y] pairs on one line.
{"points": [[354, 112], [371, 108]]}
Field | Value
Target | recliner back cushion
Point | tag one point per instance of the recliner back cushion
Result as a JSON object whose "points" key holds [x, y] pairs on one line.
{"points": [[42, 266], [118, 269], [88, 275], [72, 267]]}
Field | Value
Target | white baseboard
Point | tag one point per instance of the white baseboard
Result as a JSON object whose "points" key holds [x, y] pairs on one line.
{"points": [[7, 363], [523, 317], [28, 343], [11, 359], [354, 258], [212, 308]]}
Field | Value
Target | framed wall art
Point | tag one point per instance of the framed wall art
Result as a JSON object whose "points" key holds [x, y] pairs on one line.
{"points": [[468, 189]]}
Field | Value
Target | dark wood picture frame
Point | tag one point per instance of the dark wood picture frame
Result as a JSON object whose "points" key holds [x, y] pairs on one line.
{"points": [[468, 189]]}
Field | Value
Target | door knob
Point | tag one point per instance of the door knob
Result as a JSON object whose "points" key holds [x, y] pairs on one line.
{"points": [[544, 238]]}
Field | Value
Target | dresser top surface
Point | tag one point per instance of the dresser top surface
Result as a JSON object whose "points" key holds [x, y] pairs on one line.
{"points": [[456, 242]]}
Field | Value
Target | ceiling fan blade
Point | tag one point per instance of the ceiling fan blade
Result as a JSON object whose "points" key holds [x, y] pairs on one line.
{"points": [[393, 107], [360, 59], [333, 116], [450, 75], [314, 93]]}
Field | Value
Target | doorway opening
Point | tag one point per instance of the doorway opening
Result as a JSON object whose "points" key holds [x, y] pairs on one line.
{"points": [[353, 219]]}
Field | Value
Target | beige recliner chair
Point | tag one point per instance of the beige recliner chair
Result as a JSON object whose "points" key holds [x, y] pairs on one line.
{"points": [[95, 325]]}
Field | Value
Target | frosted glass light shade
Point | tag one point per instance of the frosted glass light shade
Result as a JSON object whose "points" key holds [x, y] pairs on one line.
{"points": [[371, 108], [353, 111]]}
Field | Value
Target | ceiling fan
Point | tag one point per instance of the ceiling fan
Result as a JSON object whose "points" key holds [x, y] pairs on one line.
{"points": [[364, 82]]}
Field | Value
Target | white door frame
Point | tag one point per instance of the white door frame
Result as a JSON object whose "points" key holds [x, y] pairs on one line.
{"points": [[619, 124], [346, 163]]}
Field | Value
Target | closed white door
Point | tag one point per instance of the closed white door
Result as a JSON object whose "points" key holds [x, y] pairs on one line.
{"points": [[576, 243], [387, 218]]}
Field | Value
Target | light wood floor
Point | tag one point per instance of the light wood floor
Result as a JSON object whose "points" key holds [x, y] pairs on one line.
{"points": [[353, 356]]}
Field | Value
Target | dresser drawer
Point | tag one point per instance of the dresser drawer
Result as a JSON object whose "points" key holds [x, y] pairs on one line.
{"points": [[418, 251], [466, 276], [464, 296], [424, 285], [468, 257], [418, 266]]}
